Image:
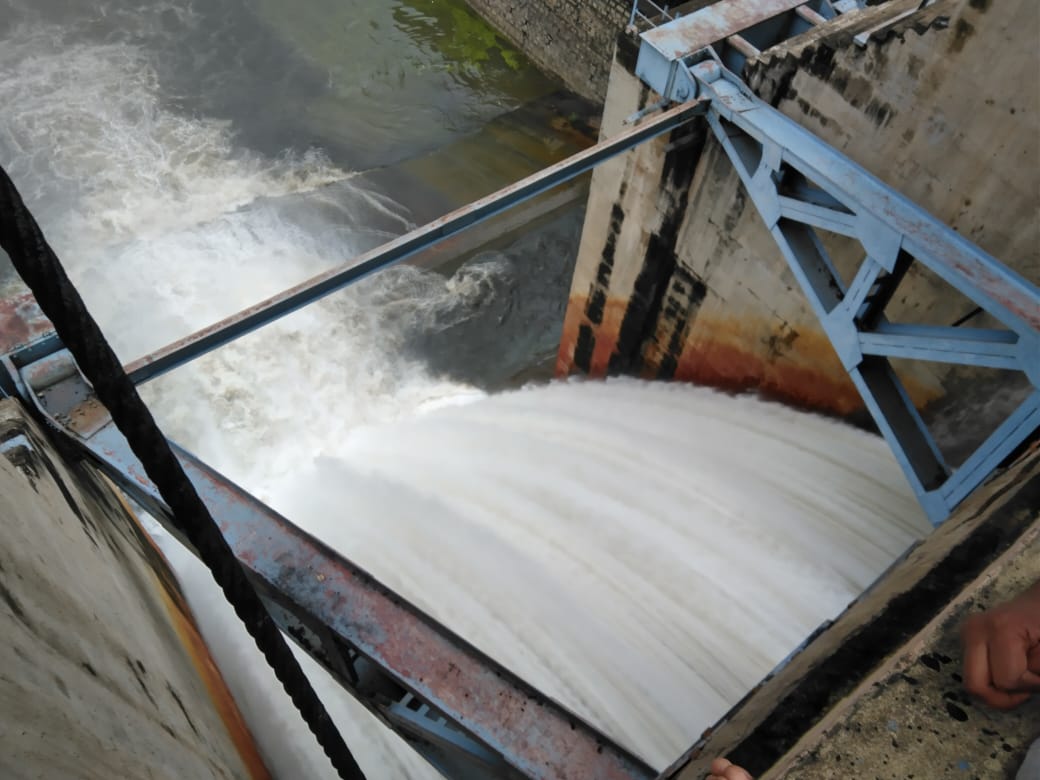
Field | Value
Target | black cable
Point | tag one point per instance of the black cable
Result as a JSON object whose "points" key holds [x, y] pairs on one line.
{"points": [[40, 269]]}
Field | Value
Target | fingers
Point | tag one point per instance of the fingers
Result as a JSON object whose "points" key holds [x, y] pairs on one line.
{"points": [[977, 679], [722, 769], [1008, 662], [1033, 660], [995, 665]]}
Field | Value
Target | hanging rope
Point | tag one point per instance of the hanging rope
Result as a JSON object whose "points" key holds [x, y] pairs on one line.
{"points": [[41, 270]]}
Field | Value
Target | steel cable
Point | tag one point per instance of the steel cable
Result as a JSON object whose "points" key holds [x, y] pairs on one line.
{"points": [[41, 270]]}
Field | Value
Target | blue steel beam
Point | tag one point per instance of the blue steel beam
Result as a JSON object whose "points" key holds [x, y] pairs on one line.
{"points": [[199, 343], [966, 346], [799, 184], [1018, 426], [736, 30], [767, 148], [885, 218]]}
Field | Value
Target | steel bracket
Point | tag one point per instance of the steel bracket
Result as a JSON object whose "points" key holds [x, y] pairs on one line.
{"points": [[800, 186]]}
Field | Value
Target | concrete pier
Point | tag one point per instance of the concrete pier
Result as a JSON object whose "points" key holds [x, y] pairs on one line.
{"points": [[677, 277], [103, 673]]}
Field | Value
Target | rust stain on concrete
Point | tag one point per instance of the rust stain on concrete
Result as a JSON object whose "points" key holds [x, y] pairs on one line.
{"points": [[797, 365], [194, 644]]}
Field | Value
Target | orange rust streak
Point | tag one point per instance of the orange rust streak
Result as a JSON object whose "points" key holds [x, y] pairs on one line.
{"points": [[192, 641], [738, 355], [224, 702], [607, 334], [731, 368]]}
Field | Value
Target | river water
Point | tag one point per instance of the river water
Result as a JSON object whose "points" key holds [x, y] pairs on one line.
{"points": [[643, 553]]}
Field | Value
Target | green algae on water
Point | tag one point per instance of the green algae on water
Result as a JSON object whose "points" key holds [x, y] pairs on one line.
{"points": [[462, 37]]}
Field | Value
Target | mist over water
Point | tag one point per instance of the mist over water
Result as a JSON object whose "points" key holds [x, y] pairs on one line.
{"points": [[643, 553]]}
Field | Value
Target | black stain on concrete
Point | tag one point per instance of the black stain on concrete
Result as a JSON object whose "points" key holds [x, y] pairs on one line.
{"points": [[140, 681], [180, 704], [21, 457], [584, 347], [659, 264], [597, 300], [962, 31], [89, 528], [595, 305], [956, 712], [685, 295], [627, 52], [878, 111], [14, 605], [818, 61], [931, 662]]}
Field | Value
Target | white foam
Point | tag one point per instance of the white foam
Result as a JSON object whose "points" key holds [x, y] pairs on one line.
{"points": [[645, 553], [89, 117]]}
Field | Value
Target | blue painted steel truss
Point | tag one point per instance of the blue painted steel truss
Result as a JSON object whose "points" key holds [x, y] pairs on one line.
{"points": [[800, 185]]}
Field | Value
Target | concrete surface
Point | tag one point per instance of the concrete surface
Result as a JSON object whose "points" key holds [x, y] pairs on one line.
{"points": [[914, 720], [102, 671], [677, 277]]}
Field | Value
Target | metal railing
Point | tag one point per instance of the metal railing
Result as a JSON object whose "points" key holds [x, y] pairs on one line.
{"points": [[655, 14]]}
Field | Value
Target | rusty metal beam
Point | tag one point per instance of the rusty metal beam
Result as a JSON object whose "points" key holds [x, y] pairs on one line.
{"points": [[199, 343], [466, 713], [688, 34], [21, 323]]}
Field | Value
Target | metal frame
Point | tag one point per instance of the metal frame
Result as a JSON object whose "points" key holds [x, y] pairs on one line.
{"points": [[735, 30], [662, 13], [800, 185], [270, 309]]}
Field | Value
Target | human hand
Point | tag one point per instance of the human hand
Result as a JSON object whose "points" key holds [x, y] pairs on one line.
{"points": [[1002, 651], [721, 769]]}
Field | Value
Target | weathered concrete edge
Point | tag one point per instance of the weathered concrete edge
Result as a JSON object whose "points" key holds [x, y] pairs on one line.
{"points": [[876, 684], [770, 721], [45, 481]]}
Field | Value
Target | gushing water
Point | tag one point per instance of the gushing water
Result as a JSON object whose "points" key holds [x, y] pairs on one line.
{"points": [[643, 553]]}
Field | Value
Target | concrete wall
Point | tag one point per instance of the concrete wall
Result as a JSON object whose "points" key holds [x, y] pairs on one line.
{"points": [[103, 673], [678, 278], [572, 39]]}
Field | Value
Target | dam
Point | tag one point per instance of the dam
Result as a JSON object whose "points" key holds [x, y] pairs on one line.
{"points": [[537, 582]]}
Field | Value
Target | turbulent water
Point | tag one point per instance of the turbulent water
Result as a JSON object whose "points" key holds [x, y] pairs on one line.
{"points": [[642, 553]]}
